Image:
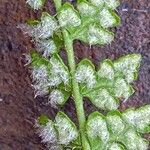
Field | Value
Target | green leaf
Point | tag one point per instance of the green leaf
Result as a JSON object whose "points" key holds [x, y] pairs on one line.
{"points": [[128, 66], [95, 34], [36, 4], [102, 98], [98, 35], [58, 97], [115, 122], [58, 39], [108, 84], [47, 26], [108, 18], [85, 74], [98, 3], [68, 17], [106, 70], [59, 71], [32, 22], [139, 118], [97, 131], [122, 89], [46, 130], [81, 34], [40, 76], [47, 47], [49, 74], [43, 120], [96, 16], [37, 60], [67, 131], [40, 29], [60, 134], [115, 132], [116, 146], [86, 9], [134, 141], [112, 4]]}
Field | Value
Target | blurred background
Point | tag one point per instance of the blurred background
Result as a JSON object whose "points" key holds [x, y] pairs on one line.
{"points": [[19, 109]]}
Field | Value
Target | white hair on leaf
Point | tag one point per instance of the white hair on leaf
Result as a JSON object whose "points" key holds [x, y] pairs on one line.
{"points": [[40, 80], [122, 89], [54, 80], [116, 123], [97, 127], [139, 118], [56, 97], [66, 129], [41, 89], [106, 18], [39, 73], [48, 25], [58, 69], [101, 98], [85, 74], [47, 132], [128, 65], [106, 70], [44, 79], [47, 47], [42, 30], [68, 17], [54, 147], [133, 141], [86, 8], [112, 4], [98, 3], [98, 35], [35, 4]]}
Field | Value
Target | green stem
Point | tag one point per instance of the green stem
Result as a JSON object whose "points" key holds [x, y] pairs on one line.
{"points": [[76, 92]]}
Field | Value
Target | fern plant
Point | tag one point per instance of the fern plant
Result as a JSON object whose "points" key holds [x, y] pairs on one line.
{"points": [[105, 86]]}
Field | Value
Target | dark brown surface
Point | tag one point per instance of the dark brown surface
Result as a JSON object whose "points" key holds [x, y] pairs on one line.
{"points": [[18, 109]]}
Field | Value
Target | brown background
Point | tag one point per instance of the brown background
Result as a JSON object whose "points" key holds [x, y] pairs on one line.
{"points": [[19, 109]]}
